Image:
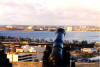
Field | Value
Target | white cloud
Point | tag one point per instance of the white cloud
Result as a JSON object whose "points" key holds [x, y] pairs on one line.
{"points": [[50, 12]]}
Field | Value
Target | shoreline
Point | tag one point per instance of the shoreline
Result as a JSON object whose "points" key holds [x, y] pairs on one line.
{"points": [[48, 31]]}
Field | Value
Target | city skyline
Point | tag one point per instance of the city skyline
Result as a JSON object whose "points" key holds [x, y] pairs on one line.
{"points": [[50, 12]]}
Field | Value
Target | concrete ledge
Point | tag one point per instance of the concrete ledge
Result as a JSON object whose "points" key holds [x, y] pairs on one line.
{"points": [[78, 63], [95, 64], [27, 64], [39, 64]]}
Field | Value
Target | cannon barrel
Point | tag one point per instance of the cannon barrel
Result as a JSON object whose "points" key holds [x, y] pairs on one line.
{"points": [[56, 55]]}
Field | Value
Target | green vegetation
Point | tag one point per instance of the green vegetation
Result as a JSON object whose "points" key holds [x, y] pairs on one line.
{"points": [[74, 44]]}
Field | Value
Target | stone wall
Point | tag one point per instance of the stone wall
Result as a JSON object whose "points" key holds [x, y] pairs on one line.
{"points": [[97, 64], [27, 64], [39, 64]]}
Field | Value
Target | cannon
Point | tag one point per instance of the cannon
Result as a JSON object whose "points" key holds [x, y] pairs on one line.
{"points": [[57, 55]]}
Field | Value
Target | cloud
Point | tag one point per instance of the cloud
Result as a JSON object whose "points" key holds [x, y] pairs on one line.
{"points": [[49, 12]]}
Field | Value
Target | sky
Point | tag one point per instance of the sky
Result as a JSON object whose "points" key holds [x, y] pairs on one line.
{"points": [[50, 12]]}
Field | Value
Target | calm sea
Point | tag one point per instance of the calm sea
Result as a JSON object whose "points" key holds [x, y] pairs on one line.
{"points": [[89, 36]]}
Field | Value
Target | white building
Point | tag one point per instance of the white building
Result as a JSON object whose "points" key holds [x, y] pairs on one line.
{"points": [[32, 49], [69, 28], [30, 27], [97, 45], [88, 50], [12, 57], [97, 58], [19, 50], [21, 57], [28, 48]]}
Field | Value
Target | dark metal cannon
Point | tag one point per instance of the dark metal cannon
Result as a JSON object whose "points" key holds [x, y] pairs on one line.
{"points": [[57, 56]]}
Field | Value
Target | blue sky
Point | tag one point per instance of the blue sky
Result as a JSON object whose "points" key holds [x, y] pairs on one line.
{"points": [[49, 12]]}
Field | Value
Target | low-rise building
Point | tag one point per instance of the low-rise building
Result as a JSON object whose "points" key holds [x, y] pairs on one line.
{"points": [[25, 57], [28, 48], [69, 29], [97, 45], [88, 50], [32, 49], [12, 57], [19, 50]]}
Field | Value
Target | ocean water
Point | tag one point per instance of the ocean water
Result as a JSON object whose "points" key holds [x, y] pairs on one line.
{"points": [[89, 36]]}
